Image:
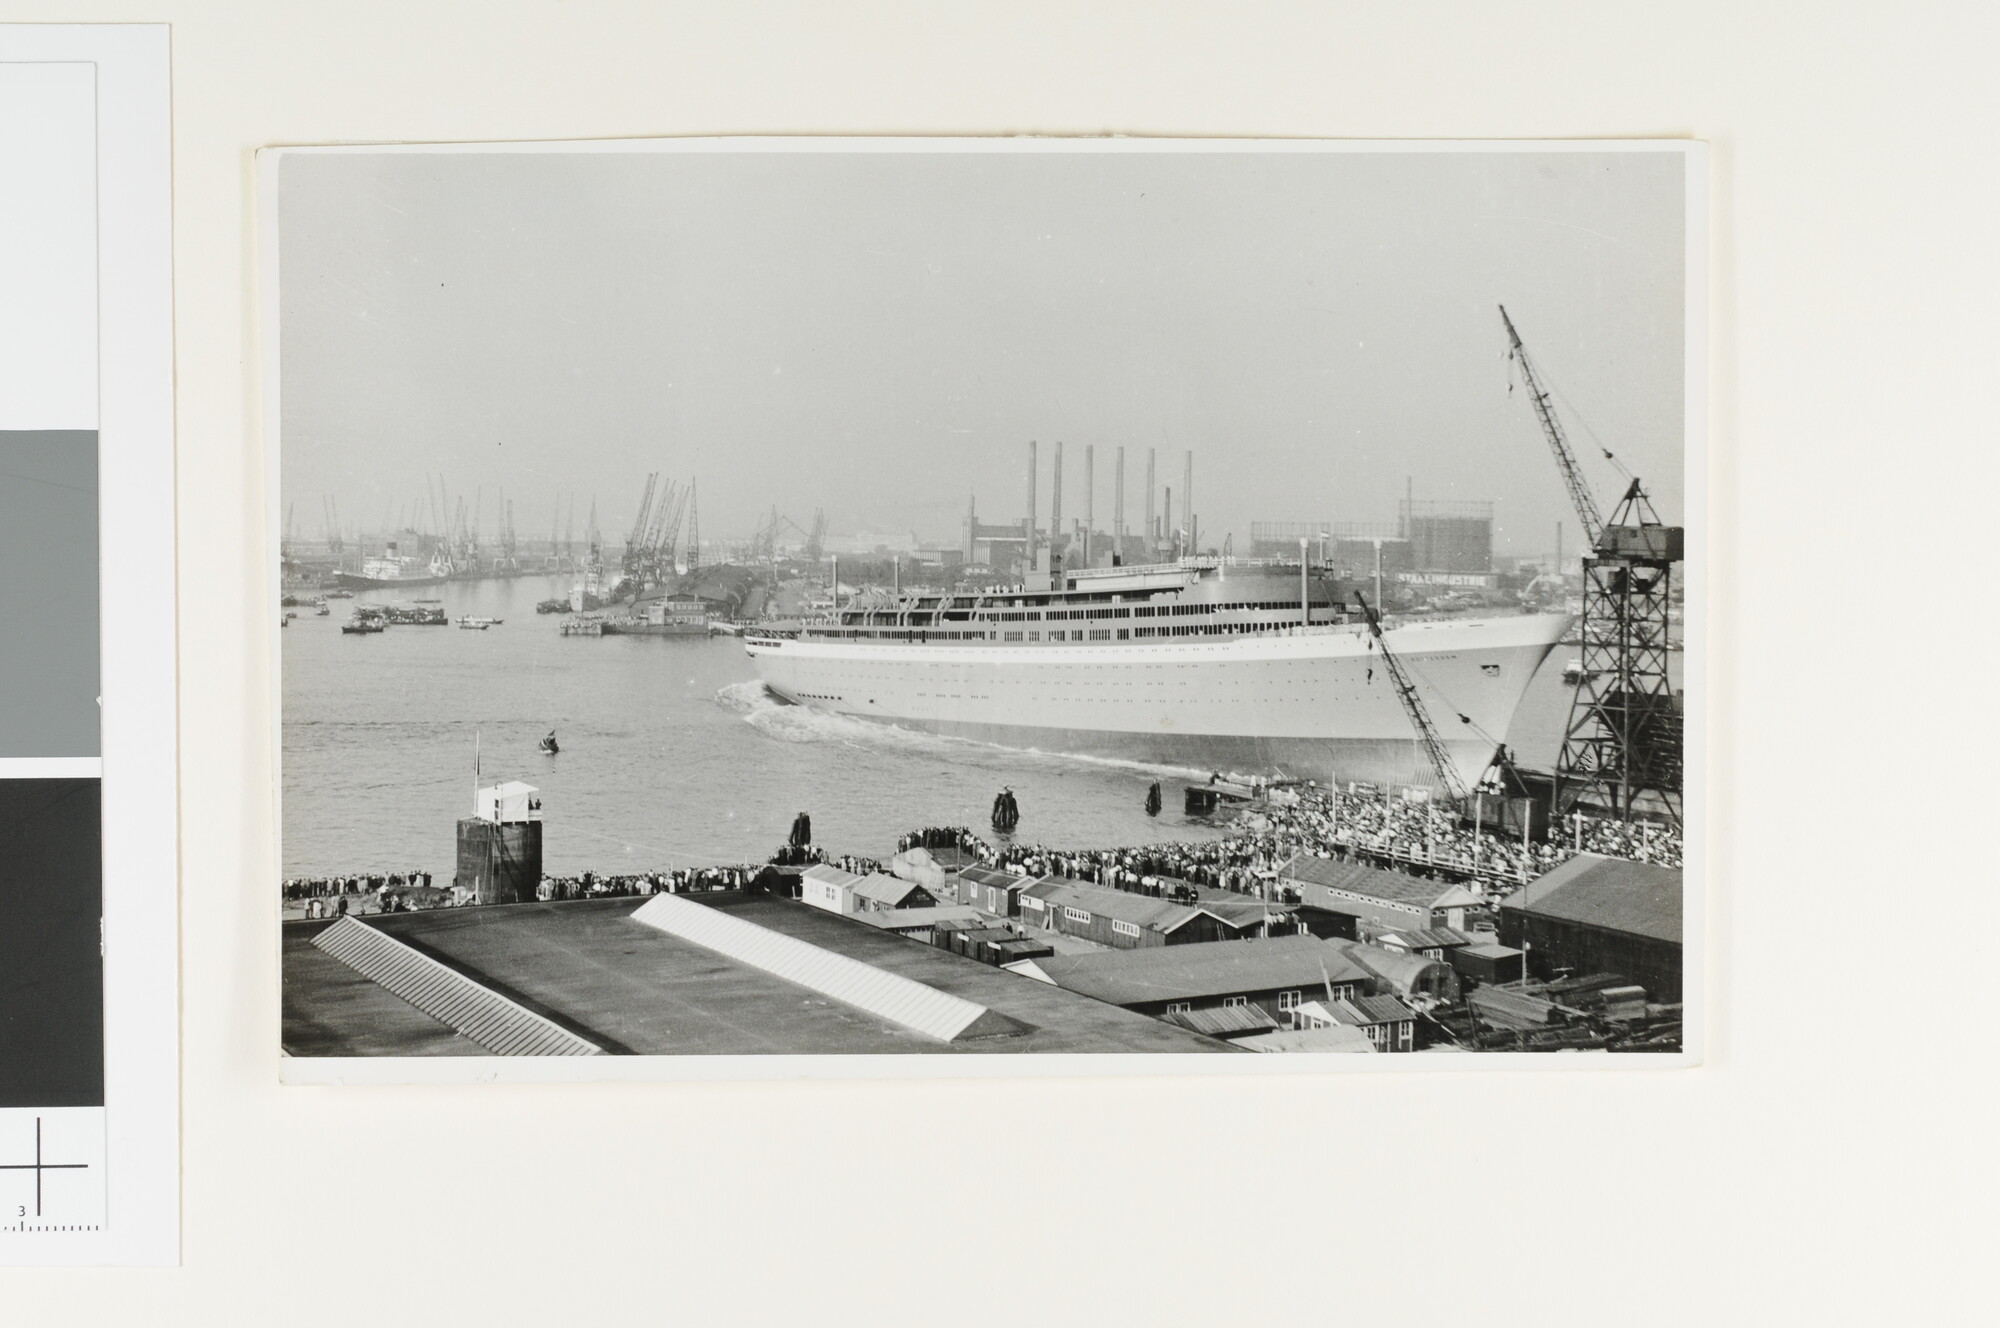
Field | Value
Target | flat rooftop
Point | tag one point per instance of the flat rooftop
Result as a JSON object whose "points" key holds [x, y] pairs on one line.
{"points": [[635, 990]]}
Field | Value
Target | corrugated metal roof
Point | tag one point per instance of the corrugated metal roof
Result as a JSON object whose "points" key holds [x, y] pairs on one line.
{"points": [[1425, 938], [890, 890], [993, 876], [879, 992], [1402, 971], [1338, 1038], [449, 996], [1374, 883], [1202, 970], [1371, 1010], [1221, 1021], [1637, 898]]}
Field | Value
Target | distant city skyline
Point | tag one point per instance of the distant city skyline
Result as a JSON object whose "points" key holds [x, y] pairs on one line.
{"points": [[881, 334]]}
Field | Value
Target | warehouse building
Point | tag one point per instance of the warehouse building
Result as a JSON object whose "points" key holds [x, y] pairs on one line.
{"points": [[1122, 921], [1601, 915], [1379, 901], [1222, 988]]}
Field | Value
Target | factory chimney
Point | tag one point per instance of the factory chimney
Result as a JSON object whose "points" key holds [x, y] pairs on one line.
{"points": [[1089, 497], [1028, 531], [1118, 512], [1055, 500], [1152, 523], [1187, 498]]}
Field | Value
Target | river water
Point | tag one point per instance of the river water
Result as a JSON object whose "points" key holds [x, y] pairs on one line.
{"points": [[672, 756]]}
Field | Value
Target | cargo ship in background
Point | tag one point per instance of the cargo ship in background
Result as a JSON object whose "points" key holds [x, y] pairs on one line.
{"points": [[394, 572], [1209, 663]]}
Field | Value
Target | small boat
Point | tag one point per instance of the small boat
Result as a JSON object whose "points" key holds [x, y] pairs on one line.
{"points": [[1574, 673], [478, 624], [323, 611], [362, 626], [548, 745]]}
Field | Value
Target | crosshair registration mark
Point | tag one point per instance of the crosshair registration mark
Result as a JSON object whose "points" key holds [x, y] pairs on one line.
{"points": [[38, 1167]]}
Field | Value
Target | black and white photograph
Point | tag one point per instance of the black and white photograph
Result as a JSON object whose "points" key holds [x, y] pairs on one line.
{"points": [[788, 606]]}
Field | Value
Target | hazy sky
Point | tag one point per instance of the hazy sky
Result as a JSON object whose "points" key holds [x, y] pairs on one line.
{"points": [[879, 334]]}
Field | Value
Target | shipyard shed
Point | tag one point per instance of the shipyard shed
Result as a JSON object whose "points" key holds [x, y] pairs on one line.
{"points": [[1387, 1022], [921, 865], [1272, 977], [626, 985], [1488, 965], [1403, 974], [1378, 900], [992, 890], [1332, 1038], [1119, 920], [1601, 915], [1429, 942], [828, 887], [918, 924], [877, 892]]}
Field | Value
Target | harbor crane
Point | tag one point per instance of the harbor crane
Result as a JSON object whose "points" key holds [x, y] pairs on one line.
{"points": [[694, 532], [334, 544], [1622, 746], [816, 541], [1419, 714]]}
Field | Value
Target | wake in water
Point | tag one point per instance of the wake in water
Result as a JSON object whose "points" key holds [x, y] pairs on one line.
{"points": [[796, 723]]}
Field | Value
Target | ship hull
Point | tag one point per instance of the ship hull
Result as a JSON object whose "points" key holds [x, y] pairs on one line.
{"points": [[355, 581], [1303, 704]]}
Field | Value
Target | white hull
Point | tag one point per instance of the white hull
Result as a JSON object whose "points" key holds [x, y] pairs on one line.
{"points": [[1299, 703]]}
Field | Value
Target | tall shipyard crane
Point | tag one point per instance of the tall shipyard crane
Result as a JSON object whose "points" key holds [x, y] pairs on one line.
{"points": [[334, 544], [1622, 748], [1419, 714], [694, 532], [509, 550], [816, 542], [633, 561]]}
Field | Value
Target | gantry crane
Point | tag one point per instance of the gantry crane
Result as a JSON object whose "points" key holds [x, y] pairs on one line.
{"points": [[1622, 747]]}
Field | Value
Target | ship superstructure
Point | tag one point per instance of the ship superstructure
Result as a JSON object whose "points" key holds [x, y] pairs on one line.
{"points": [[1209, 662]]}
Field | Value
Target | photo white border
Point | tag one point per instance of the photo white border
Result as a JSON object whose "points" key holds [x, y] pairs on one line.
{"points": [[137, 643], [382, 1070]]}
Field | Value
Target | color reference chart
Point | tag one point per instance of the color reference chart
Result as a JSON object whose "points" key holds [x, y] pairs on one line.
{"points": [[88, 819]]}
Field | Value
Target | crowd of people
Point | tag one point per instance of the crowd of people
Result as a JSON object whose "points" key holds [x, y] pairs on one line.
{"points": [[680, 881], [329, 887], [1357, 824], [956, 838]]}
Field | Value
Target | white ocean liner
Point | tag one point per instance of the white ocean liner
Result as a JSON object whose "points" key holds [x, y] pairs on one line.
{"points": [[1205, 663]]}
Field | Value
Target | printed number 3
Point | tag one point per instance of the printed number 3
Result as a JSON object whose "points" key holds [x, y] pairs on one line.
{"points": [[22, 1211]]}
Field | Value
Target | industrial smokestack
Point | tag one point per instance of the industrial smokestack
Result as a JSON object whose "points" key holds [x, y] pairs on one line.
{"points": [[1055, 501], [1118, 507], [1167, 517], [1152, 521], [1029, 534], [1187, 497], [1089, 496]]}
